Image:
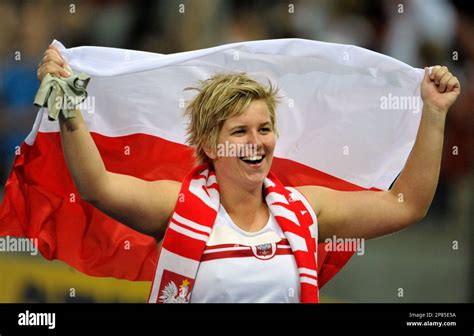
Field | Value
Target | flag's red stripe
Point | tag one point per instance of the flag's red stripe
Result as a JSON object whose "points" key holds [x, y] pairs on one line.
{"points": [[41, 201]]}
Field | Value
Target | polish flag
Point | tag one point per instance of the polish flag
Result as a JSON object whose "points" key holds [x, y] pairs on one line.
{"points": [[347, 119]]}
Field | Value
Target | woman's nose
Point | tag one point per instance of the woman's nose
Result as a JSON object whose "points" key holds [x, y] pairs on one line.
{"points": [[255, 141], [254, 138]]}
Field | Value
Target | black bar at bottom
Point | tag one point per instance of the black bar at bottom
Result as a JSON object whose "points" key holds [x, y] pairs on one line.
{"points": [[416, 319]]}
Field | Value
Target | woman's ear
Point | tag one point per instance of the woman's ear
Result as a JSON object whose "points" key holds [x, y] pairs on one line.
{"points": [[210, 153]]}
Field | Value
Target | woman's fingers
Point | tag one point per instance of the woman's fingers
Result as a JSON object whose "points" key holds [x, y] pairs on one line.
{"points": [[51, 68], [444, 81], [451, 84], [52, 63], [438, 73], [51, 55], [54, 50]]}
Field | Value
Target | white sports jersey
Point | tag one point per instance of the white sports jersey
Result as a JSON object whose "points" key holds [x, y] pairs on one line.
{"points": [[239, 266]]}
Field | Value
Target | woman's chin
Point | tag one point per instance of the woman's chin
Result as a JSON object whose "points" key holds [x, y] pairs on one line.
{"points": [[256, 176], [254, 173]]}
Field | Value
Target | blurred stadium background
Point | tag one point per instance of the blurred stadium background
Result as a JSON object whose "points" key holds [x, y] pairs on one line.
{"points": [[422, 260]]}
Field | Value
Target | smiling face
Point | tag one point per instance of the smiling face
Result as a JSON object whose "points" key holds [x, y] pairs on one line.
{"points": [[249, 141], [233, 110]]}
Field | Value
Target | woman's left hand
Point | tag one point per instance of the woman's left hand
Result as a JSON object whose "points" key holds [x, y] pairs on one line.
{"points": [[439, 89]]}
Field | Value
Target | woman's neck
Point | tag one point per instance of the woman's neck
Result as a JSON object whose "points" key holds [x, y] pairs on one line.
{"points": [[246, 207]]}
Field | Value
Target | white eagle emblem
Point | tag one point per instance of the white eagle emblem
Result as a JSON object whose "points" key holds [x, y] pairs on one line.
{"points": [[264, 251], [171, 294]]}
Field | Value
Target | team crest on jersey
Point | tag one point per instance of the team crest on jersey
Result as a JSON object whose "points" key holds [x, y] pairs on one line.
{"points": [[175, 288], [264, 251]]}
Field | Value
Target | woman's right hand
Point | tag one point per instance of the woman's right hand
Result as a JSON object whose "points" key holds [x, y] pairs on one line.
{"points": [[53, 64]]}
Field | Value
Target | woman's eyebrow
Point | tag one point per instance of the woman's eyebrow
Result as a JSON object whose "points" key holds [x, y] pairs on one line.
{"points": [[237, 127], [265, 123]]}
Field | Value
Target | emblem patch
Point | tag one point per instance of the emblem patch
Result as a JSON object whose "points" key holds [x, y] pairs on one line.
{"points": [[264, 251], [175, 288]]}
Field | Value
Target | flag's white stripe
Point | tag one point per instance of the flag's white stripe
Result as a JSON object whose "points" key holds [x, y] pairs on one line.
{"points": [[357, 142], [30, 139], [288, 47]]}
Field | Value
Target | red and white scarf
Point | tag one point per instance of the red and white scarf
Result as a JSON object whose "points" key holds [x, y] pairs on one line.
{"points": [[191, 224]]}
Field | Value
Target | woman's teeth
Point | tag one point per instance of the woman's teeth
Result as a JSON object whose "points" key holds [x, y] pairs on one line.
{"points": [[253, 159]]}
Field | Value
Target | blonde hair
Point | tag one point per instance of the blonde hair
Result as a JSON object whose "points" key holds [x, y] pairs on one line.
{"points": [[221, 97]]}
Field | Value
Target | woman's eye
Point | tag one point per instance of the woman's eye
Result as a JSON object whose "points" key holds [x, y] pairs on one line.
{"points": [[262, 130]]}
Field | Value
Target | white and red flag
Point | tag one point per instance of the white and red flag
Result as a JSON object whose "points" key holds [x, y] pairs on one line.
{"points": [[347, 120]]}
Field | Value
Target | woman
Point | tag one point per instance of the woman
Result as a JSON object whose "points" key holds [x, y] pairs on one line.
{"points": [[235, 110]]}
